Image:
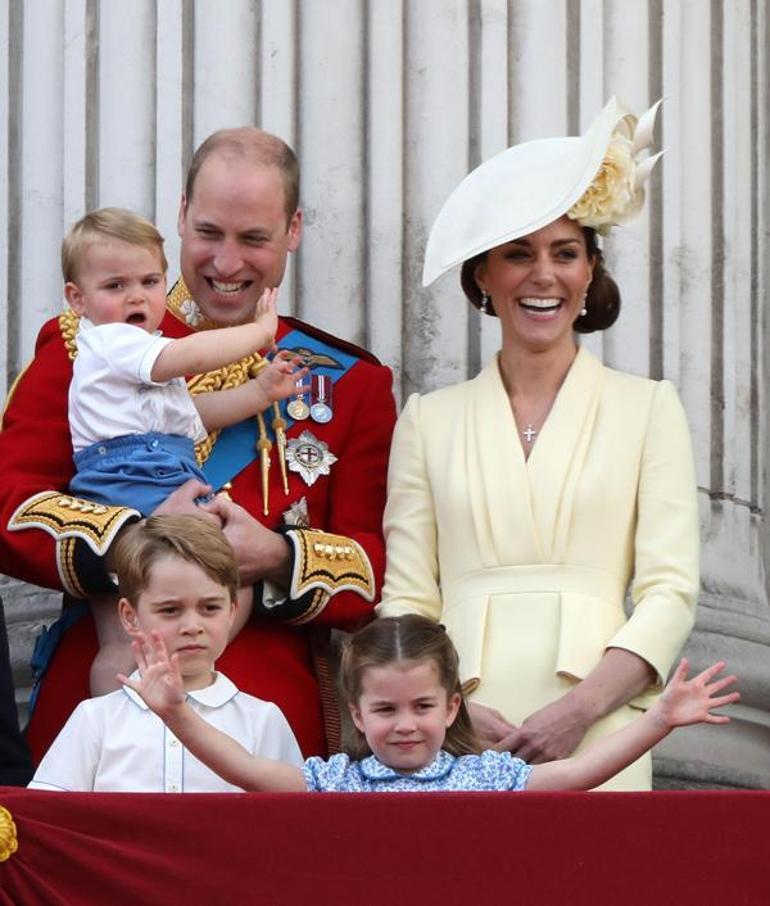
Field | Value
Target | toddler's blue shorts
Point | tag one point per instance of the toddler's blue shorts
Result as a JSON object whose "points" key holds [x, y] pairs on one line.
{"points": [[135, 470]]}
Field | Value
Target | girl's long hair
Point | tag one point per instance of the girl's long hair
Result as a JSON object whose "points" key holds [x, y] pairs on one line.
{"points": [[392, 640]]}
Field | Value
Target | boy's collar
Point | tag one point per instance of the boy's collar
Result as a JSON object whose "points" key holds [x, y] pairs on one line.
{"points": [[214, 696]]}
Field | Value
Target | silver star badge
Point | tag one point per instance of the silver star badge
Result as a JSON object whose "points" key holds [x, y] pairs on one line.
{"points": [[297, 514], [309, 456]]}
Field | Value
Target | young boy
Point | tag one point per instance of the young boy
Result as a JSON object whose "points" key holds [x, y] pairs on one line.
{"points": [[133, 423], [178, 577]]}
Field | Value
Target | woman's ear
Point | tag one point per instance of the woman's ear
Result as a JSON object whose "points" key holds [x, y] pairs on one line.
{"points": [[479, 274], [128, 616]]}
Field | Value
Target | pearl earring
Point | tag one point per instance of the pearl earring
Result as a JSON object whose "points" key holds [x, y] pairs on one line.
{"points": [[484, 306]]}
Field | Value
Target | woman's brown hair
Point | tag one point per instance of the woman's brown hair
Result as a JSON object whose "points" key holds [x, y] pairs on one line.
{"points": [[406, 638]]}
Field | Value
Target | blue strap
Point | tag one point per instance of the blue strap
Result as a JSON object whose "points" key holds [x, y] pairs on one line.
{"points": [[236, 446], [48, 641]]}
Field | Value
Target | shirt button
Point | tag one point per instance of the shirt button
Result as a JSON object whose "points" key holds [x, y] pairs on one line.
{"points": [[173, 742], [154, 444], [102, 450], [172, 788]]}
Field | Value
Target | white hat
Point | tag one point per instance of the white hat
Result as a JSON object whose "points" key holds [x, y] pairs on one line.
{"points": [[595, 179]]}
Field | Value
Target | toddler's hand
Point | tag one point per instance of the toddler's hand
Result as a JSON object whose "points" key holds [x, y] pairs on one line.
{"points": [[691, 701], [160, 684], [281, 378], [266, 315]]}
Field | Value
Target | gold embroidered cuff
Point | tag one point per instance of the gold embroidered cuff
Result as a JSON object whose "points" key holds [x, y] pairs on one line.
{"points": [[328, 563], [65, 517]]}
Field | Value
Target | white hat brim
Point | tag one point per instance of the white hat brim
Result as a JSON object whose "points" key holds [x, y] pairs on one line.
{"points": [[516, 192]]}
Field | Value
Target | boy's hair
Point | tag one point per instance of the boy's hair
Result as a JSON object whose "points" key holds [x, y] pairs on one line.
{"points": [[393, 640], [103, 225], [190, 538], [258, 147]]}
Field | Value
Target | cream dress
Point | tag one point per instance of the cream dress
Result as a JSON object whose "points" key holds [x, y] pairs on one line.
{"points": [[527, 562]]}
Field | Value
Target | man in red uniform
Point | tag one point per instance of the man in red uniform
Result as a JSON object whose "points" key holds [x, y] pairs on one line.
{"points": [[306, 482]]}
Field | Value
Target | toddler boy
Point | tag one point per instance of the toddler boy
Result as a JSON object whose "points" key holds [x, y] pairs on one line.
{"points": [[134, 425]]}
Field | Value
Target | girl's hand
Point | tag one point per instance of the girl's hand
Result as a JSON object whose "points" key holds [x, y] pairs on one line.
{"points": [[691, 701], [266, 315], [160, 684]]}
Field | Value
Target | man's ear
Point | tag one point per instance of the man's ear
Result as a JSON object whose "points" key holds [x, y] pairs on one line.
{"points": [[295, 230], [74, 297], [127, 615], [182, 215], [355, 714]]}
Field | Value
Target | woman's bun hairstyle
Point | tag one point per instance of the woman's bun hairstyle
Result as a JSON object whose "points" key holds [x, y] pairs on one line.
{"points": [[602, 300]]}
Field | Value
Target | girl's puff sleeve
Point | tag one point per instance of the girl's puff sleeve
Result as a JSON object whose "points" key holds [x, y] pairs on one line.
{"points": [[411, 574], [666, 579]]}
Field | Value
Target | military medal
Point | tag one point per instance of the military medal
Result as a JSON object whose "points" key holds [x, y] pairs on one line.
{"points": [[321, 405], [297, 408], [309, 456]]}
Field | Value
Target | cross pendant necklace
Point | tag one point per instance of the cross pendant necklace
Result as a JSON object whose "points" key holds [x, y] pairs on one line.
{"points": [[529, 434]]}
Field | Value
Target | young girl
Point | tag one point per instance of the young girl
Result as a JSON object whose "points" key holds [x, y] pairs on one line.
{"points": [[401, 683]]}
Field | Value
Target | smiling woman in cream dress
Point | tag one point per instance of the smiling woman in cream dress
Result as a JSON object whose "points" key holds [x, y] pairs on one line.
{"points": [[524, 503]]}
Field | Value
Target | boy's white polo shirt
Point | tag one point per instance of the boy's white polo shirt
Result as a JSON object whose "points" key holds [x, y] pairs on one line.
{"points": [[114, 743]]}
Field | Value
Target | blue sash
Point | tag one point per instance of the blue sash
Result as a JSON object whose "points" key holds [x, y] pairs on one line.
{"points": [[236, 446]]}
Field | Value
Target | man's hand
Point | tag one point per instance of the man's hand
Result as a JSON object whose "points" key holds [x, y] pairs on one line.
{"points": [[182, 502], [160, 684], [261, 553], [548, 734]]}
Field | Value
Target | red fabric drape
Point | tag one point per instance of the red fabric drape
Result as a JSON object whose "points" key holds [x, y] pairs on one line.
{"points": [[531, 848]]}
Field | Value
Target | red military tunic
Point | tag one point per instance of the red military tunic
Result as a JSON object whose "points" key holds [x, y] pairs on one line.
{"points": [[272, 657]]}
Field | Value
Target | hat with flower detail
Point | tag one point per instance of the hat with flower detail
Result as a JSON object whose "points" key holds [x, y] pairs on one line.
{"points": [[595, 179]]}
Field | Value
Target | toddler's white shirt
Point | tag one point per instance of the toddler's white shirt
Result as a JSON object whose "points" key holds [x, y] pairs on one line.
{"points": [[112, 393]]}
